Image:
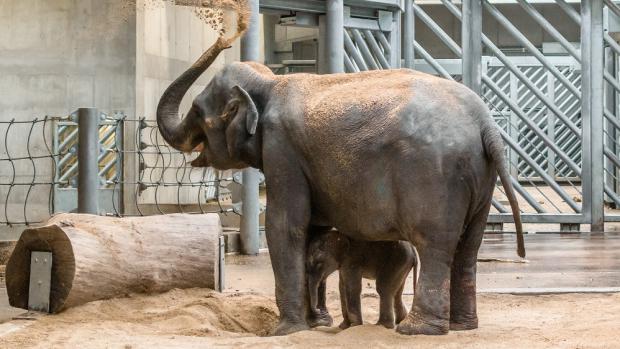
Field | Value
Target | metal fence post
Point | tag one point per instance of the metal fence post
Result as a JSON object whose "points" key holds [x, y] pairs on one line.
{"points": [[249, 225], [513, 127], [471, 37], [409, 34], [334, 27], [88, 164], [592, 101]]}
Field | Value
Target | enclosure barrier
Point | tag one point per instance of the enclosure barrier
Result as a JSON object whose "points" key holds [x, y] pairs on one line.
{"points": [[559, 116], [39, 173]]}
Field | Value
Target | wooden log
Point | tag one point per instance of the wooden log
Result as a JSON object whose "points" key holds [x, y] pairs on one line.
{"points": [[98, 257]]}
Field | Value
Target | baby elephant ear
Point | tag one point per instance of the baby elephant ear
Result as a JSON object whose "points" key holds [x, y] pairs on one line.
{"points": [[246, 104]]}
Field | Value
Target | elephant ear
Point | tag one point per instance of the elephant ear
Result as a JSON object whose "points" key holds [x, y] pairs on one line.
{"points": [[241, 117]]}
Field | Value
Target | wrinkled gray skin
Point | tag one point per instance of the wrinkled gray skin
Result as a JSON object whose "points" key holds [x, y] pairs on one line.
{"points": [[381, 155], [387, 262]]}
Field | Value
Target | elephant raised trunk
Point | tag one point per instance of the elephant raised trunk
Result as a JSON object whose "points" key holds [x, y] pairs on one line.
{"points": [[185, 134]]}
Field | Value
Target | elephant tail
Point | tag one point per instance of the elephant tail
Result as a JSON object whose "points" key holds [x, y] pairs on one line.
{"points": [[494, 147]]}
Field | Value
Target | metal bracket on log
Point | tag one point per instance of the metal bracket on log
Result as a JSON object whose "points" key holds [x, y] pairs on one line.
{"points": [[220, 272], [40, 281]]}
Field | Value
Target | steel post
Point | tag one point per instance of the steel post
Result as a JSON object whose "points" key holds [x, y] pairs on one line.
{"points": [[334, 36], [409, 35], [513, 127], [551, 120], [269, 37], [249, 224], [472, 44], [88, 164], [395, 40], [592, 104]]}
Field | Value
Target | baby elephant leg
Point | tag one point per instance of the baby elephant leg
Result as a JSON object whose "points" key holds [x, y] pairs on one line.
{"points": [[322, 317], [352, 282], [343, 305], [387, 292], [399, 306]]}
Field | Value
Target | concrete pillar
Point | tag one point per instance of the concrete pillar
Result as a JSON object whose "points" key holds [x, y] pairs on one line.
{"points": [[88, 160], [249, 224], [334, 36], [409, 34], [269, 36], [592, 104], [472, 44]]}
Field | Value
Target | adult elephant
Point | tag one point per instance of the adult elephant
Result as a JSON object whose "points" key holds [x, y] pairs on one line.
{"points": [[380, 155]]}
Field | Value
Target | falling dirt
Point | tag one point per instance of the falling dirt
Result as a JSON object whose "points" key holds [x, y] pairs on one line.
{"points": [[228, 18]]}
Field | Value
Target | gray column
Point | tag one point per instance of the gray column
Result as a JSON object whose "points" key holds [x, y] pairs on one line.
{"points": [[513, 126], [409, 35], [250, 176], [395, 40], [551, 119], [88, 164], [269, 37], [334, 36], [592, 104], [472, 44]]}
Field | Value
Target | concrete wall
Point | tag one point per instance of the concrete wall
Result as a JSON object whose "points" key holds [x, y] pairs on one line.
{"points": [[56, 56], [59, 55]]}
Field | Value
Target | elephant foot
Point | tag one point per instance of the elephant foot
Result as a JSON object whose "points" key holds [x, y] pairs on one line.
{"points": [[321, 319], [386, 323], [401, 314], [346, 324], [410, 326], [463, 324], [285, 327]]}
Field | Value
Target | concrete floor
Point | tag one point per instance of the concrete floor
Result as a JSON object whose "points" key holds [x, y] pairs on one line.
{"points": [[554, 263]]}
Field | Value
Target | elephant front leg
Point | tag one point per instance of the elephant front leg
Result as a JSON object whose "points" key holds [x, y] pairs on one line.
{"points": [[287, 253], [286, 231], [430, 314]]}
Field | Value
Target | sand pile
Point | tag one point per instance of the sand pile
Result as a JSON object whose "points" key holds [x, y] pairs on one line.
{"points": [[199, 318], [193, 312]]}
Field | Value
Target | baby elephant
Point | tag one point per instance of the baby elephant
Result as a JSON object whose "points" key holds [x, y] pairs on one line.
{"points": [[388, 262]]}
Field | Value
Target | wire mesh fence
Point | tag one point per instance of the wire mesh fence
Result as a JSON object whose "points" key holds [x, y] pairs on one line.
{"points": [[39, 162], [27, 170], [166, 181]]}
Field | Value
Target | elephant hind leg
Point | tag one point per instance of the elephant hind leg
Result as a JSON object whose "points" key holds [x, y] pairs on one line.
{"points": [[463, 314], [430, 314]]}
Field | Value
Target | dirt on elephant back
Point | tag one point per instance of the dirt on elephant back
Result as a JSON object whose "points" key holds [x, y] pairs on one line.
{"points": [[199, 318]]}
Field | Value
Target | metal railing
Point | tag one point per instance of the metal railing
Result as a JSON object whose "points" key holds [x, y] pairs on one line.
{"points": [[548, 107], [40, 162]]}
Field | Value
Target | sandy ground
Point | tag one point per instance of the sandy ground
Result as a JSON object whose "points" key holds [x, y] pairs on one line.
{"points": [[199, 318], [242, 315]]}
